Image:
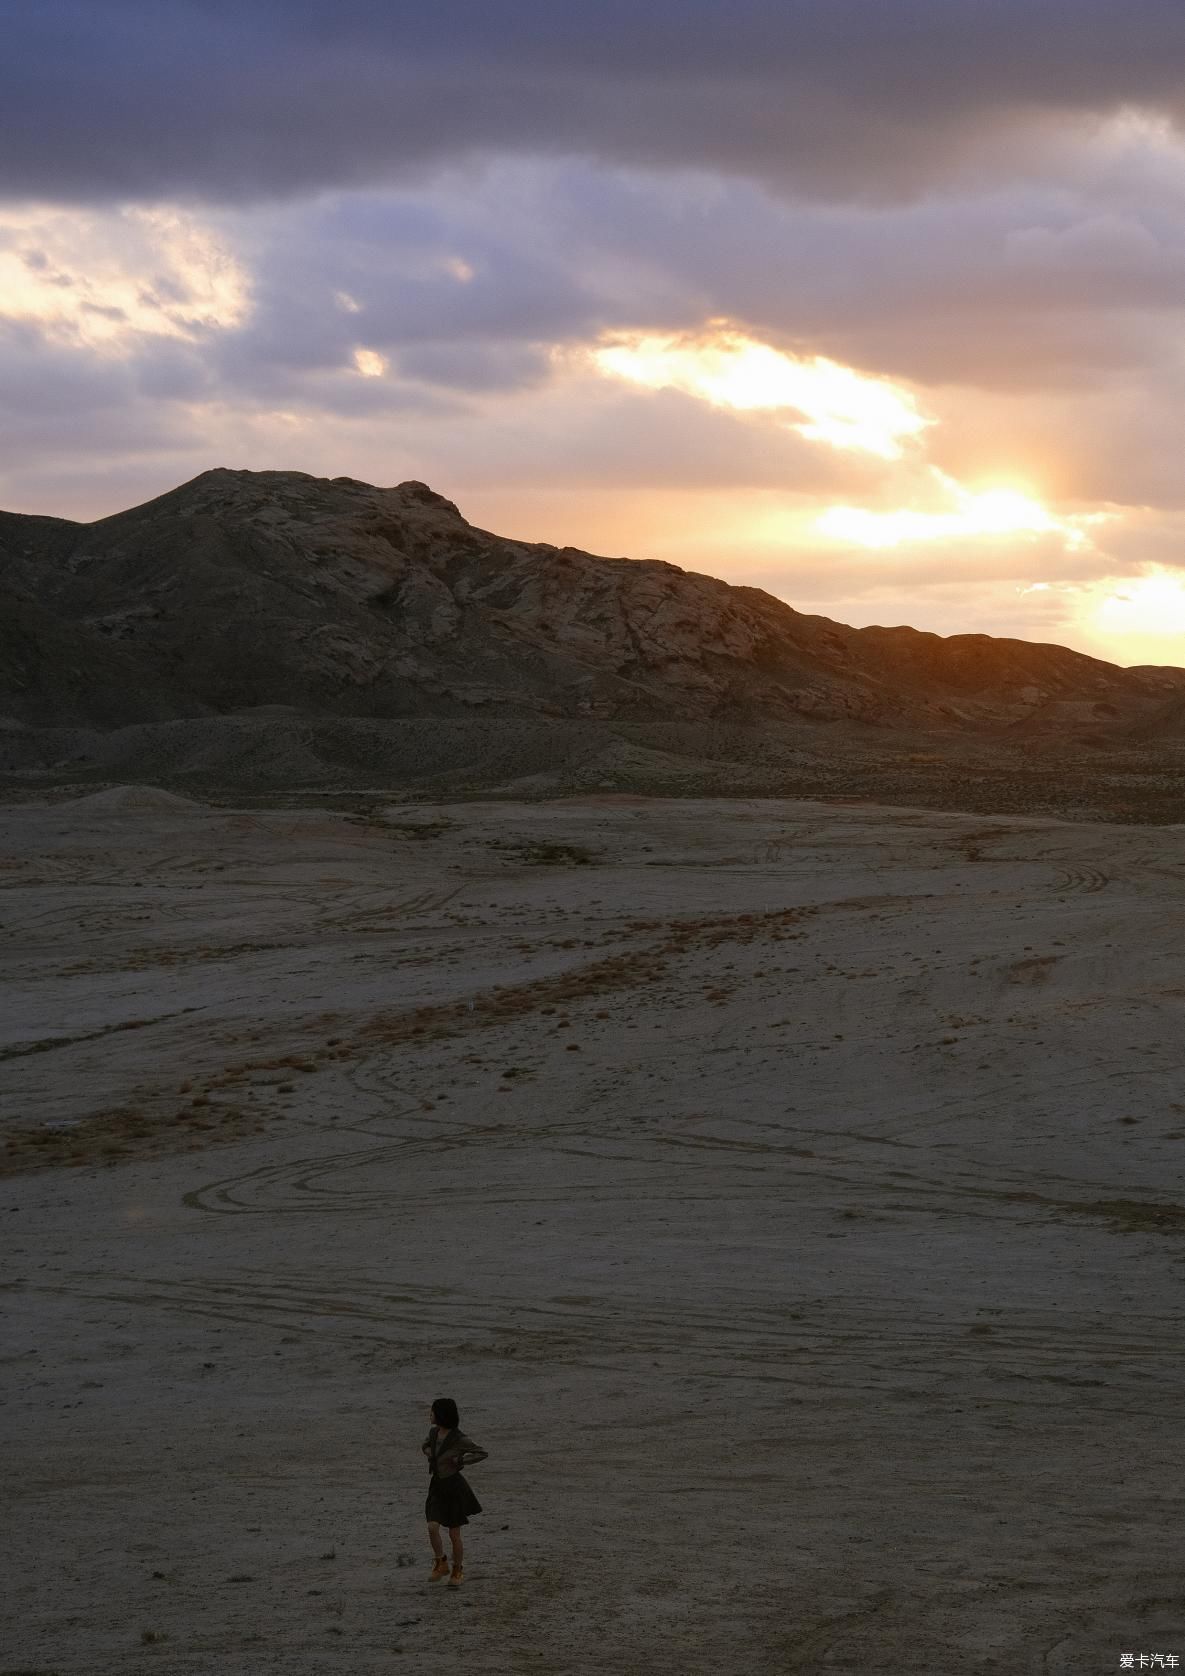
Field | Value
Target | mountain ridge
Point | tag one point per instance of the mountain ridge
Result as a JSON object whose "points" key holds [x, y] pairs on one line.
{"points": [[239, 589]]}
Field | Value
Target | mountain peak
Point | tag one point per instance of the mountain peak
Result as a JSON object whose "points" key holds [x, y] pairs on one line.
{"points": [[226, 489]]}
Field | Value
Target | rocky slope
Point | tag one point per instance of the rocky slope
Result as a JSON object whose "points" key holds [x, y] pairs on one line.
{"points": [[270, 633], [244, 589]]}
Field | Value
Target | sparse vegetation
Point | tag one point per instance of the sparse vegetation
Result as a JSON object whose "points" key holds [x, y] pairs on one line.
{"points": [[537, 853], [419, 829]]}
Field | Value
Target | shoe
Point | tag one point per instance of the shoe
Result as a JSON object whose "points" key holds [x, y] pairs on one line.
{"points": [[458, 1575], [439, 1569]]}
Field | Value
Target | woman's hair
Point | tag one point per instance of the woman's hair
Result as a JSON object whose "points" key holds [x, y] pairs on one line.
{"points": [[444, 1412]]}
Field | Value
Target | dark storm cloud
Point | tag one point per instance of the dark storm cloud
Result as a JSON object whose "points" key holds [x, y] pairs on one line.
{"points": [[232, 99]]}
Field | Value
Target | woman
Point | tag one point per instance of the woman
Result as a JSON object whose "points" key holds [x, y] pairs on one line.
{"points": [[450, 1500]]}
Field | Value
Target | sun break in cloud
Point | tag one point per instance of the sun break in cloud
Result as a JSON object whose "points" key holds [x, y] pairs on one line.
{"points": [[844, 409], [835, 404]]}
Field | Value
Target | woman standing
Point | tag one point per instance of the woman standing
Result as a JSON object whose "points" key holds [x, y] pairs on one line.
{"points": [[450, 1499]]}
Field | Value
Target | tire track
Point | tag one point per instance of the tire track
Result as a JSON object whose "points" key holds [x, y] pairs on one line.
{"points": [[1085, 881], [800, 1341]]}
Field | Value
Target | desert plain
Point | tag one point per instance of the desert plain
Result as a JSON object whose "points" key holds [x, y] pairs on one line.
{"points": [[788, 1192]]}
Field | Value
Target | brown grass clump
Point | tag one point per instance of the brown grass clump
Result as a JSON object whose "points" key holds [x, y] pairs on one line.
{"points": [[121, 1132], [418, 829], [1126, 1216], [126, 1132], [542, 854]]}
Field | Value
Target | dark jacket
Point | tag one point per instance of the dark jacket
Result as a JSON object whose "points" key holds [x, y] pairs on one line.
{"points": [[447, 1455]]}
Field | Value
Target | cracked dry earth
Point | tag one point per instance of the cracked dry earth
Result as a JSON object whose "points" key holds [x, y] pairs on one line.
{"points": [[789, 1193]]}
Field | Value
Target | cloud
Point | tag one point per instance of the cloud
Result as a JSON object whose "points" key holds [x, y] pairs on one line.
{"points": [[1031, 284], [384, 241], [466, 288], [581, 432], [1026, 281], [76, 425], [105, 279], [235, 100], [723, 366]]}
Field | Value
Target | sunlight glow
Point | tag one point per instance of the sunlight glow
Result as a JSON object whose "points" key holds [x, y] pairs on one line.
{"points": [[104, 279], [840, 407], [848, 410], [990, 512], [1125, 619], [1152, 606]]}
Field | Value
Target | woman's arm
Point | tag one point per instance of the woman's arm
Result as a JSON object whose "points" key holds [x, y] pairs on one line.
{"points": [[468, 1452]]}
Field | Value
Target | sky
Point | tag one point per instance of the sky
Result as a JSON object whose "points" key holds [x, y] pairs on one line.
{"points": [[879, 307]]}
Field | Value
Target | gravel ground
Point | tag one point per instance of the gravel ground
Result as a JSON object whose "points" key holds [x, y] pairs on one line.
{"points": [[788, 1193]]}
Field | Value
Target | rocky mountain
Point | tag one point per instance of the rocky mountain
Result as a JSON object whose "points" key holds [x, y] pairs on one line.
{"points": [[334, 598], [271, 633]]}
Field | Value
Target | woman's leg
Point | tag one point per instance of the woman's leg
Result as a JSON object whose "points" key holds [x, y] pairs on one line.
{"points": [[434, 1539], [454, 1536]]}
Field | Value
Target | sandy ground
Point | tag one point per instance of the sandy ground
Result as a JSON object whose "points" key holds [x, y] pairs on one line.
{"points": [[789, 1194]]}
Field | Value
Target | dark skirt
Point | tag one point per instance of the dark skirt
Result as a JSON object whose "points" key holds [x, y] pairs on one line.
{"points": [[450, 1501]]}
